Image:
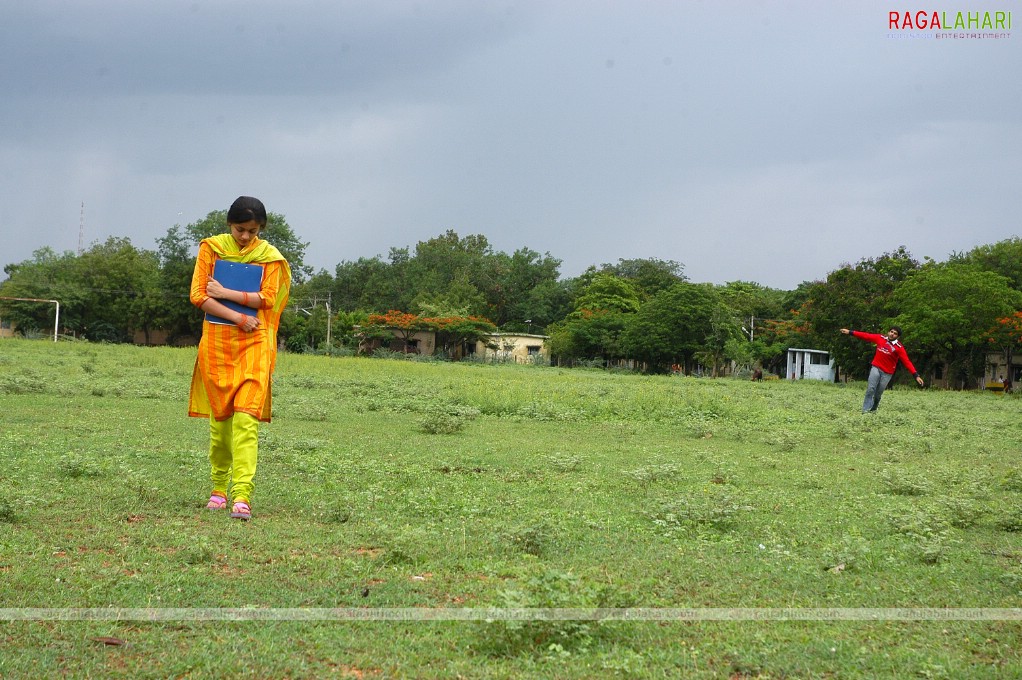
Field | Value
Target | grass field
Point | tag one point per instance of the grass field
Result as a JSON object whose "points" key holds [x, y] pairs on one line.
{"points": [[393, 484]]}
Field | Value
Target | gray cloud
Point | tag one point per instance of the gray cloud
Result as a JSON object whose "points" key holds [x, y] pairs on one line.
{"points": [[766, 143]]}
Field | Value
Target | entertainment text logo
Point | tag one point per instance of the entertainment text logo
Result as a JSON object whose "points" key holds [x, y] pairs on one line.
{"points": [[924, 20], [940, 24]]}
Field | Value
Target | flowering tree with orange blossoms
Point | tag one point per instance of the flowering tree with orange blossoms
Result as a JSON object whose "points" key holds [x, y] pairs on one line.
{"points": [[1007, 335], [403, 324], [454, 331]]}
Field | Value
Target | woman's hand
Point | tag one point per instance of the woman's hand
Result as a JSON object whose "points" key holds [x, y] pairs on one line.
{"points": [[215, 289], [247, 323]]}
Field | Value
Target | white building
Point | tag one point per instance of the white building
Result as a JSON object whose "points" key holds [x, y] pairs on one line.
{"points": [[810, 364]]}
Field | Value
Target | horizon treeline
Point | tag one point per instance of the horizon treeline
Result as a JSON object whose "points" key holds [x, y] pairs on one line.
{"points": [[642, 312]]}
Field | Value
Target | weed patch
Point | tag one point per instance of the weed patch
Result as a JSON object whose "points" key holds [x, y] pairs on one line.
{"points": [[548, 589], [715, 508], [7, 511]]}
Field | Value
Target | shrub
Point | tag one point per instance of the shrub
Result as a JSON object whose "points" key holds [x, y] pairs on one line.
{"points": [[336, 512], [200, 552], [7, 513], [1012, 578], [961, 512], [930, 534], [563, 462], [23, 382], [788, 440], [532, 539], [1012, 480], [548, 589], [647, 475], [74, 466], [1009, 518], [904, 483], [384, 353], [849, 554], [716, 508], [441, 422]]}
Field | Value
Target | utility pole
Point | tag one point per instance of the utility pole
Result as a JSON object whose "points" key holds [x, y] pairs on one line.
{"points": [[81, 231], [751, 330], [329, 295]]}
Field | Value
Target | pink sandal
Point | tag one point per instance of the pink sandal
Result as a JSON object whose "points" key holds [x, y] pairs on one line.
{"points": [[240, 510], [216, 502]]}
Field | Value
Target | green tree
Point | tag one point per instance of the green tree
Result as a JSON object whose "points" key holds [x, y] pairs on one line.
{"points": [[858, 297], [1003, 257], [47, 276], [105, 294], [525, 293], [752, 306], [594, 329], [752, 302], [122, 283], [724, 341], [648, 276], [347, 325], [176, 315], [459, 293], [588, 334], [673, 326], [374, 285], [947, 311], [452, 269], [609, 292]]}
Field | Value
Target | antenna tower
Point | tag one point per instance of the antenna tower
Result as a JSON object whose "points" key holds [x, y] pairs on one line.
{"points": [[81, 230]]}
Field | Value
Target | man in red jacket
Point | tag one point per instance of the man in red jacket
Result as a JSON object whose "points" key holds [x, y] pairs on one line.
{"points": [[889, 352]]}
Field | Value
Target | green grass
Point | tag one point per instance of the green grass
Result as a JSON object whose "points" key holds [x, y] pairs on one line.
{"points": [[402, 484]]}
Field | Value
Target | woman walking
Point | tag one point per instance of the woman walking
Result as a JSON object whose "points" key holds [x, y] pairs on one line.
{"points": [[238, 351]]}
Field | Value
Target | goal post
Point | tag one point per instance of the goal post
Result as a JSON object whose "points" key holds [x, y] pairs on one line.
{"points": [[56, 313]]}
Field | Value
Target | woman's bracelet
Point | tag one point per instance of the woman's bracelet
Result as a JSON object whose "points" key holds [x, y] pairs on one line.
{"points": [[244, 300]]}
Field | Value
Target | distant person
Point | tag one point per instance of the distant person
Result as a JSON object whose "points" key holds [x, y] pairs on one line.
{"points": [[1007, 383], [889, 352], [231, 380]]}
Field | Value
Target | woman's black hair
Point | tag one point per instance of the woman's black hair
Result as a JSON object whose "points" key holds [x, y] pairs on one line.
{"points": [[245, 209]]}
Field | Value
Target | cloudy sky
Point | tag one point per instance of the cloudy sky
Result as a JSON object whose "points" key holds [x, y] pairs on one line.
{"points": [[768, 141]]}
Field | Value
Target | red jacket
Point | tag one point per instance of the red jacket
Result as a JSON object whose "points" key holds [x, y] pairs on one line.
{"points": [[888, 353]]}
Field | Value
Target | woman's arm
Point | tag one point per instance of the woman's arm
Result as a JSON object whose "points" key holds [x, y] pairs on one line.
{"points": [[270, 288], [201, 293], [245, 299], [245, 322]]}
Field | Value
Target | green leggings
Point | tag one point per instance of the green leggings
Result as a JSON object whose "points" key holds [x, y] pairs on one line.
{"points": [[233, 450]]}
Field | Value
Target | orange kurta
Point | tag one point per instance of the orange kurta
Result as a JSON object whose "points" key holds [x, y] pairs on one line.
{"points": [[232, 371]]}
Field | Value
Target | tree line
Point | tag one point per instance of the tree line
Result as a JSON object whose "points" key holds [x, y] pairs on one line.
{"points": [[643, 313]]}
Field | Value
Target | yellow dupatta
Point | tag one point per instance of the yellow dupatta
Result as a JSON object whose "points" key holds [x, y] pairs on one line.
{"points": [[257, 252]]}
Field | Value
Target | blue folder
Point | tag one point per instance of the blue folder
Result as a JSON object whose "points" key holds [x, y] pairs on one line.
{"points": [[236, 276]]}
